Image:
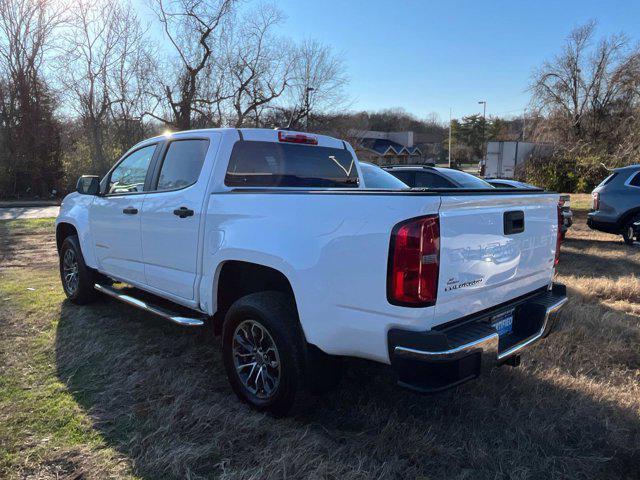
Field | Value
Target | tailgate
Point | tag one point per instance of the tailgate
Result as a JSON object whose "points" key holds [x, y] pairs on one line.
{"points": [[493, 248]]}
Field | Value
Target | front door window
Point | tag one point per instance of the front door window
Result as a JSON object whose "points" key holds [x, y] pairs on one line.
{"points": [[130, 174]]}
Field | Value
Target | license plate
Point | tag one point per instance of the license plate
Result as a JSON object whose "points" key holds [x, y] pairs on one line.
{"points": [[503, 323]]}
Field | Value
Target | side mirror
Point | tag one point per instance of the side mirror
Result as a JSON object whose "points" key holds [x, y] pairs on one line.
{"points": [[88, 185]]}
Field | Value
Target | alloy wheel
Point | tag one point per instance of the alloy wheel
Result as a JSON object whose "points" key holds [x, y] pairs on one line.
{"points": [[70, 271], [256, 359]]}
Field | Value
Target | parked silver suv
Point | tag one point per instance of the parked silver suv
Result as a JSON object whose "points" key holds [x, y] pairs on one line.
{"points": [[616, 204]]}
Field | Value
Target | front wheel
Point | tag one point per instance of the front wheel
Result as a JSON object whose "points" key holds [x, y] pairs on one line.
{"points": [[263, 351], [77, 278]]}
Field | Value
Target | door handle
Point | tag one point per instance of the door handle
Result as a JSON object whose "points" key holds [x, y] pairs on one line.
{"points": [[130, 211], [183, 212], [513, 222]]}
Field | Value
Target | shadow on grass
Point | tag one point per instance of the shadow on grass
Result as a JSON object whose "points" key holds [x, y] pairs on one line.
{"points": [[594, 265], [159, 395], [9, 244]]}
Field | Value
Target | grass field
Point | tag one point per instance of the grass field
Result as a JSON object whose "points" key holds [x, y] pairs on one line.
{"points": [[105, 391]]}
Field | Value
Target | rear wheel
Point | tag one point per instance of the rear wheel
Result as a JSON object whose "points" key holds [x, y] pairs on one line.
{"points": [[77, 279], [263, 351]]}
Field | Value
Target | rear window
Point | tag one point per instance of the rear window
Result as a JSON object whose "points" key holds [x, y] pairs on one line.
{"points": [[608, 179], [635, 181], [271, 164], [465, 180]]}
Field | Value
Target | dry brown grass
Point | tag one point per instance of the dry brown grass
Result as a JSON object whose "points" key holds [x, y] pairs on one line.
{"points": [[106, 391]]}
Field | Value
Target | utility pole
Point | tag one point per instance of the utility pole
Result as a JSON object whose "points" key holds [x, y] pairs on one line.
{"points": [[449, 137], [484, 125], [524, 123], [306, 106]]}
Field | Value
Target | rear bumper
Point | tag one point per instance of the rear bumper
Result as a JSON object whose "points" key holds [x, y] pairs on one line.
{"points": [[436, 360], [608, 227]]}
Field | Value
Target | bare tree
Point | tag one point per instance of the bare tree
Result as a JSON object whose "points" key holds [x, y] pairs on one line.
{"points": [[29, 132], [193, 29], [319, 79], [130, 79], [587, 83], [258, 65], [102, 68]]}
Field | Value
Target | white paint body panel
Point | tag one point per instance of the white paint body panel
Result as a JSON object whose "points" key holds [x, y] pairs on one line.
{"points": [[171, 244], [496, 267], [332, 246], [116, 236]]}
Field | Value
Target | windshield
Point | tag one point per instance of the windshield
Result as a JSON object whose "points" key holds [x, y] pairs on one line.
{"points": [[465, 180], [375, 177]]}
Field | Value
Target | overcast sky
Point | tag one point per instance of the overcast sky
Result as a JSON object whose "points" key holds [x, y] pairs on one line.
{"points": [[427, 56]]}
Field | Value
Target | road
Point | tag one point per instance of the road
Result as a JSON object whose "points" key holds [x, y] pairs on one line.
{"points": [[28, 212]]}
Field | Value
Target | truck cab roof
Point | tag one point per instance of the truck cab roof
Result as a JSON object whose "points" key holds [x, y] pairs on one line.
{"points": [[256, 134]]}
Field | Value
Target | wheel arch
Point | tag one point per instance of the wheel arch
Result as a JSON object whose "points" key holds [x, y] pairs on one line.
{"points": [[626, 216], [64, 230], [237, 278]]}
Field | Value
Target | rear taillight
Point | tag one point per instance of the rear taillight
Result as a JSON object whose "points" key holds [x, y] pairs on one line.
{"points": [[595, 196], [297, 138], [414, 258], [559, 236]]}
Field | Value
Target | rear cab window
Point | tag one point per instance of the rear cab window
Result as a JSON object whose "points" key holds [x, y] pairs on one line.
{"points": [[272, 164]]}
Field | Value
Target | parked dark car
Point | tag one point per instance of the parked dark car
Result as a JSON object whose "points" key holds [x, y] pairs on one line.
{"points": [[616, 204], [565, 200], [419, 176], [376, 177], [508, 183]]}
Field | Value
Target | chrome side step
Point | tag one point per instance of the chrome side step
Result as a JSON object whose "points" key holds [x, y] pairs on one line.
{"points": [[141, 304]]}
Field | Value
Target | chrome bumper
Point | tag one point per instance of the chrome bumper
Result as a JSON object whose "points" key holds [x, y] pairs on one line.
{"points": [[475, 345]]}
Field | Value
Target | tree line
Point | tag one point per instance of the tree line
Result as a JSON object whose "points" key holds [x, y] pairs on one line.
{"points": [[80, 82]]}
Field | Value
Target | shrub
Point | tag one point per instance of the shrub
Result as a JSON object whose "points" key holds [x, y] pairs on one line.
{"points": [[565, 171]]}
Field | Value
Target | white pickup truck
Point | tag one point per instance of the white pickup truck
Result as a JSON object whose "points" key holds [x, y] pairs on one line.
{"points": [[273, 238]]}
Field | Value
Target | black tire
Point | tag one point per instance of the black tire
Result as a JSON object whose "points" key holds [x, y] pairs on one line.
{"points": [[82, 291], [275, 313], [628, 232]]}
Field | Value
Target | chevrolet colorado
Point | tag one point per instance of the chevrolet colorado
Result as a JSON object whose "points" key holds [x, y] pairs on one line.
{"points": [[273, 239]]}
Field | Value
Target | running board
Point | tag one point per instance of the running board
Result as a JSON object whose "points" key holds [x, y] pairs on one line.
{"points": [[142, 305]]}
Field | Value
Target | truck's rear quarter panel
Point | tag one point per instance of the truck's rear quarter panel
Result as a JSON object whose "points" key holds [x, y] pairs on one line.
{"points": [[334, 250]]}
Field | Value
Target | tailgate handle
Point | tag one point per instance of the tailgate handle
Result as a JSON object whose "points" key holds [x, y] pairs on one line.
{"points": [[513, 222]]}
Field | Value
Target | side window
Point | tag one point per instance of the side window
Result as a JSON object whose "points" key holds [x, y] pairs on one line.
{"points": [[182, 164], [406, 177], [129, 175], [430, 180], [635, 181]]}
